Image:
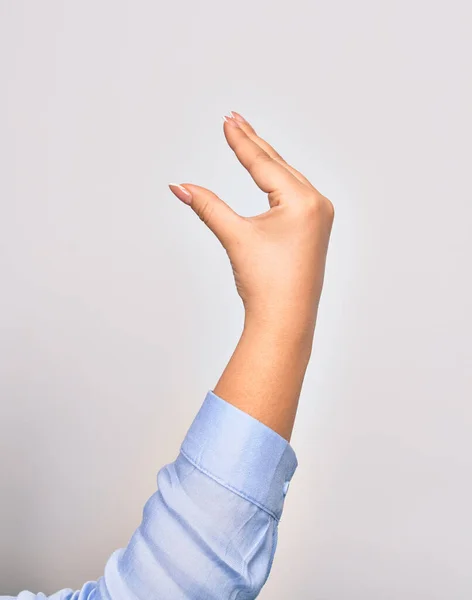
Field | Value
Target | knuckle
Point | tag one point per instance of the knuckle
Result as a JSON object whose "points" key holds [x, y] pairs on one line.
{"points": [[329, 206], [278, 156], [318, 205], [260, 158], [205, 212]]}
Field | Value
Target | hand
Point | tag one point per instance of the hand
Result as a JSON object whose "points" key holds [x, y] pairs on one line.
{"points": [[278, 257]]}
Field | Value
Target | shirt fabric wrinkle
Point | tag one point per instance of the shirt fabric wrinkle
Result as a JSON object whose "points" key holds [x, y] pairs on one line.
{"points": [[209, 532]]}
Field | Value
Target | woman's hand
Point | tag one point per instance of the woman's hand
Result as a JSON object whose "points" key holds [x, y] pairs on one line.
{"points": [[278, 257]]}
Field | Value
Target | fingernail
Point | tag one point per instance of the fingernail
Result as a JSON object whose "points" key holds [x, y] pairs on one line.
{"points": [[238, 117], [231, 121], [181, 192]]}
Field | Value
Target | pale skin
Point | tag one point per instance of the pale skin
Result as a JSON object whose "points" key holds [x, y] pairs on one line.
{"points": [[278, 260]]}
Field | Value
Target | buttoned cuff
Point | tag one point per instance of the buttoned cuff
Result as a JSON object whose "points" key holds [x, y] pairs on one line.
{"points": [[241, 453]]}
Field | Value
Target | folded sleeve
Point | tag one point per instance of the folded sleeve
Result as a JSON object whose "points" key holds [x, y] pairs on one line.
{"points": [[241, 453], [210, 530]]}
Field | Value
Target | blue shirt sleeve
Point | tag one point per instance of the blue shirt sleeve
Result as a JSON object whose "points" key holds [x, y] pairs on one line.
{"points": [[209, 532]]}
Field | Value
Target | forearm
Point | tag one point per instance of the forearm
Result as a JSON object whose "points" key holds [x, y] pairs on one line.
{"points": [[265, 374]]}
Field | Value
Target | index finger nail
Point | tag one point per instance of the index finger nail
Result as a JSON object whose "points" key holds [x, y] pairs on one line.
{"points": [[231, 120], [238, 117]]}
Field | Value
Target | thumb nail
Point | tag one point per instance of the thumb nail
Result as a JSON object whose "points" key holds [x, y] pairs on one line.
{"points": [[181, 193]]}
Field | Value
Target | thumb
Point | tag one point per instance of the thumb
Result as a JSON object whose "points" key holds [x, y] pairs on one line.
{"points": [[215, 213]]}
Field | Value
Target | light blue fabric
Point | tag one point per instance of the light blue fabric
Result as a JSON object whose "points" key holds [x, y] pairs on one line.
{"points": [[209, 532]]}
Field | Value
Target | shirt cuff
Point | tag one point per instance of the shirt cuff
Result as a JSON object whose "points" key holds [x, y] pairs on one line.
{"points": [[241, 453]]}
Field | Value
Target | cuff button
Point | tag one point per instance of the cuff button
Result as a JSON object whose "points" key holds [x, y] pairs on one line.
{"points": [[286, 486]]}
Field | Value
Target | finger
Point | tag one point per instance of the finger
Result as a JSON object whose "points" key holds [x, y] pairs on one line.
{"points": [[216, 214], [251, 133], [267, 173]]}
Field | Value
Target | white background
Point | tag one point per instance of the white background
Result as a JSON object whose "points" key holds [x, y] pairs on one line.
{"points": [[117, 307]]}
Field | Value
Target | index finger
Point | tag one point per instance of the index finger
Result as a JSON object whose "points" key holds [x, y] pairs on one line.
{"points": [[269, 175], [251, 133]]}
